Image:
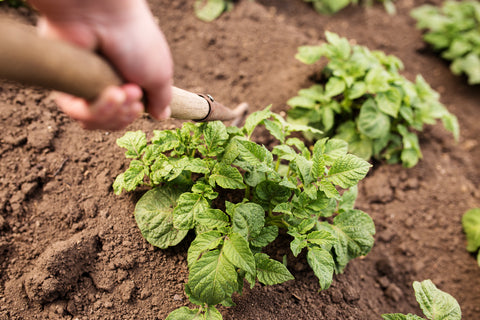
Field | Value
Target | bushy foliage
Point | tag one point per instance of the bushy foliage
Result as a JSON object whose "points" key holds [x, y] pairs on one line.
{"points": [[309, 192], [364, 100], [454, 31]]}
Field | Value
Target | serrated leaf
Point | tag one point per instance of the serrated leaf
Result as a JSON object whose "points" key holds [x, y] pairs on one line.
{"points": [[154, 216], [189, 205], [267, 235], [471, 226], [237, 251], [248, 220], [348, 170], [135, 143], [184, 313], [297, 244], [435, 303], [212, 278], [322, 264], [226, 176], [269, 271], [203, 242], [371, 121]]}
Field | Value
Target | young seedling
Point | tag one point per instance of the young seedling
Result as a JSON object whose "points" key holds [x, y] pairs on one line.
{"points": [[435, 304], [453, 31], [471, 226], [236, 195], [333, 6], [364, 100]]}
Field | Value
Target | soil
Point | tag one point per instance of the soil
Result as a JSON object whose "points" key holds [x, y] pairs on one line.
{"points": [[70, 248]]}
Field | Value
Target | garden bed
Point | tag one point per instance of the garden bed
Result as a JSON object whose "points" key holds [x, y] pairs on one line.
{"points": [[58, 212]]}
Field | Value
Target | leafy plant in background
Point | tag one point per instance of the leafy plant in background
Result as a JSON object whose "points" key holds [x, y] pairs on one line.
{"points": [[471, 226], [435, 304], [333, 6], [454, 30], [236, 194], [209, 10], [365, 101]]}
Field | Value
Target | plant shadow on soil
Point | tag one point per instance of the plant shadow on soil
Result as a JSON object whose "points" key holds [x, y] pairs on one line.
{"points": [[56, 199]]}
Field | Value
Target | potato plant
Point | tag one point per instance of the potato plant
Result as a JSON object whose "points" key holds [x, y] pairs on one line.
{"points": [[435, 304], [453, 30], [471, 226], [236, 194], [333, 6], [209, 10], [363, 99]]}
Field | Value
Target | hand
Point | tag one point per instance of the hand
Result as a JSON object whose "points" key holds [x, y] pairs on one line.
{"points": [[126, 33]]}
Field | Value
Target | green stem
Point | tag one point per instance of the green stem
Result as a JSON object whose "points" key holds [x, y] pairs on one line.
{"points": [[247, 192]]}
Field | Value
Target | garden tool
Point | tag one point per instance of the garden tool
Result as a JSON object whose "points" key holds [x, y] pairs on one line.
{"points": [[30, 59]]}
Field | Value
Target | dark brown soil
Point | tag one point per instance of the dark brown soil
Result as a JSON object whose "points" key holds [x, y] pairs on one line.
{"points": [[70, 248]]}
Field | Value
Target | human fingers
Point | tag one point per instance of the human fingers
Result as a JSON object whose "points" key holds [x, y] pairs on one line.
{"points": [[116, 108]]}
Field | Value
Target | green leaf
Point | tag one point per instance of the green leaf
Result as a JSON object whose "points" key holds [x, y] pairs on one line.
{"points": [[254, 119], [226, 177], [435, 303], [371, 121], [212, 218], [134, 142], [321, 238], [309, 54], [212, 278], [347, 202], [348, 170], [321, 262], [389, 101], [297, 244], [166, 140], [471, 226], [203, 242], [209, 10], [184, 313], [377, 80], [301, 101], [248, 220], [334, 87], [213, 314], [276, 129], [267, 235], [237, 251], [354, 230], [215, 135], [131, 178], [253, 153], [269, 271], [189, 205], [154, 216]]}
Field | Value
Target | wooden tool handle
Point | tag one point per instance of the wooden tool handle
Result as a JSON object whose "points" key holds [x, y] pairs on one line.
{"points": [[29, 59]]}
